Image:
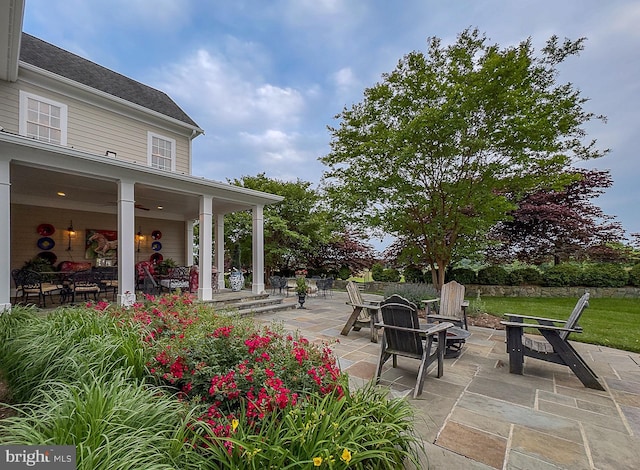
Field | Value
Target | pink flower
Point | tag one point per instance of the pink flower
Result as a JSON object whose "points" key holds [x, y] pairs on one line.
{"points": [[178, 368], [223, 331]]}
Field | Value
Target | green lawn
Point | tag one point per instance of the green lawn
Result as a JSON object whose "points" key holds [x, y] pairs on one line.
{"points": [[609, 322]]}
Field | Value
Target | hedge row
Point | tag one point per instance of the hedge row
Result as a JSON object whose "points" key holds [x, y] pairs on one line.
{"points": [[562, 275], [379, 273]]}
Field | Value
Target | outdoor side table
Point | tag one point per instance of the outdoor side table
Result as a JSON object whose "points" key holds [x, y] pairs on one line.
{"points": [[456, 337]]}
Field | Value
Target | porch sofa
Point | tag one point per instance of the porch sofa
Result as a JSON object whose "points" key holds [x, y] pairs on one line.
{"points": [[74, 266]]}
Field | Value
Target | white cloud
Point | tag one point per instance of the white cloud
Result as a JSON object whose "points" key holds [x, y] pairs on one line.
{"points": [[344, 79], [281, 104], [275, 147], [223, 91]]}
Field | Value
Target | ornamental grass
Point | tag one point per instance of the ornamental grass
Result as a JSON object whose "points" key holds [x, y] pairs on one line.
{"points": [[359, 430], [64, 346], [114, 422]]}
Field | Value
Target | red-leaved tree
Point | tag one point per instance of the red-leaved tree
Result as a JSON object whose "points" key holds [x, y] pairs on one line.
{"points": [[560, 224], [347, 249]]}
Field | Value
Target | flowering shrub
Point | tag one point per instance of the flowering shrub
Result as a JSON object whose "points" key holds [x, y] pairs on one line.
{"points": [[227, 364], [251, 398]]}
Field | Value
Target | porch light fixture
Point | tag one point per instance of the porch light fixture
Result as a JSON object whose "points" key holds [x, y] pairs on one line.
{"points": [[139, 237], [71, 233]]}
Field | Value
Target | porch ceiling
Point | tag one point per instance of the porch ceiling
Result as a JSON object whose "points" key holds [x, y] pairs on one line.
{"points": [[36, 186]]}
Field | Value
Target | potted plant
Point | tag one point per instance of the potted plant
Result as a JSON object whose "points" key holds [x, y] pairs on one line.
{"points": [[38, 265], [301, 290], [163, 267]]}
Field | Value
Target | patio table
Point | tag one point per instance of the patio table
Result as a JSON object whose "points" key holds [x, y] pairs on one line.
{"points": [[456, 337]]}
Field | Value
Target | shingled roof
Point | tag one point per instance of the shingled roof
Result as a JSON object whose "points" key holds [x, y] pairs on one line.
{"points": [[46, 56]]}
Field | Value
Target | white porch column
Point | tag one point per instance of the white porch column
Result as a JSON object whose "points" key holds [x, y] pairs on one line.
{"points": [[257, 244], [126, 243], [188, 242], [5, 236], [205, 292], [219, 248]]}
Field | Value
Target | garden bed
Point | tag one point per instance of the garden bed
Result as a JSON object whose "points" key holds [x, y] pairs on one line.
{"points": [[485, 320], [170, 380]]}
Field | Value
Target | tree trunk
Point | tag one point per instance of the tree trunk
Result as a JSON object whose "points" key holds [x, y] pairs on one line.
{"points": [[434, 277], [437, 275], [440, 276]]}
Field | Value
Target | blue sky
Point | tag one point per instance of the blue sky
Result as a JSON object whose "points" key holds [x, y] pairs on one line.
{"points": [[265, 78]]}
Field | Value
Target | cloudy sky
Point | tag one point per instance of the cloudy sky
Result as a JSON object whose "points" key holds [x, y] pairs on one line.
{"points": [[265, 78]]}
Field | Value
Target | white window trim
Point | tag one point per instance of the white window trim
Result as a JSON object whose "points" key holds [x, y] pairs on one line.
{"points": [[22, 126], [150, 136]]}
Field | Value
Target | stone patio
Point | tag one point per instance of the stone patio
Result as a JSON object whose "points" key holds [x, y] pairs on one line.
{"points": [[479, 416]]}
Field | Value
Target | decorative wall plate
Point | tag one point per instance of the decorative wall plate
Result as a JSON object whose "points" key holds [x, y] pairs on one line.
{"points": [[46, 243], [156, 234], [50, 256], [156, 246], [45, 230], [156, 258]]}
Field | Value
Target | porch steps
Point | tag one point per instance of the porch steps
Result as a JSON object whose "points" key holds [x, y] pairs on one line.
{"points": [[244, 304], [262, 309]]}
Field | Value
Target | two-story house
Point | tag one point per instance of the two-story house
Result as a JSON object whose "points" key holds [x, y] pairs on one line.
{"points": [[85, 148]]}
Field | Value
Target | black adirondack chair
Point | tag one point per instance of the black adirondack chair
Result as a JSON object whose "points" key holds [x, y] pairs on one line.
{"points": [[404, 336], [552, 346]]}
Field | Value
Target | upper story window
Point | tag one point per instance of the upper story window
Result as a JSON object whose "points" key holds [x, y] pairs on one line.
{"points": [[43, 119], [162, 152]]}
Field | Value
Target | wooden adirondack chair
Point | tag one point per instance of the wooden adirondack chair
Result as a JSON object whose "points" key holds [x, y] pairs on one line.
{"points": [[364, 314], [552, 346], [403, 336], [450, 306]]}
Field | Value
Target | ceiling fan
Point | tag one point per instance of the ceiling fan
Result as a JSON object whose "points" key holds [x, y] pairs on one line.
{"points": [[137, 206]]}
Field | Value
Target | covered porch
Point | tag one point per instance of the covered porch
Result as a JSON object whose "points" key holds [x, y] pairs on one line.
{"points": [[151, 213]]}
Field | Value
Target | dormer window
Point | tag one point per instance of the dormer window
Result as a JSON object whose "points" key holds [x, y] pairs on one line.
{"points": [[43, 119], [161, 152]]}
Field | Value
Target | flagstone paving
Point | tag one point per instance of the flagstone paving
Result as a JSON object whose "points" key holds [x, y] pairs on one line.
{"points": [[479, 416]]}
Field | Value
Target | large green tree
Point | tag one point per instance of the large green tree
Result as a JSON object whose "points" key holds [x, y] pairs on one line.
{"points": [[293, 228], [431, 152]]}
